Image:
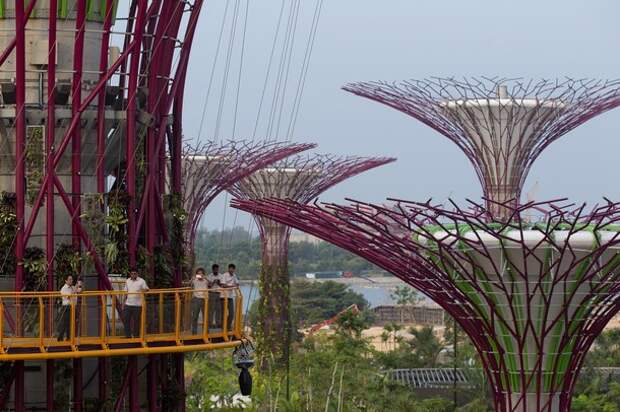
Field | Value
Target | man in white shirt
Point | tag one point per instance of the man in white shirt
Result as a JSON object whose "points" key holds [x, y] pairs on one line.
{"points": [[199, 285], [135, 287], [229, 280], [66, 293]]}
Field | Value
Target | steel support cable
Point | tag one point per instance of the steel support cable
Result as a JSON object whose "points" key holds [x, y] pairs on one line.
{"points": [[227, 65], [278, 81], [213, 67], [267, 75], [245, 27], [222, 99], [281, 67], [288, 69], [304, 71]]}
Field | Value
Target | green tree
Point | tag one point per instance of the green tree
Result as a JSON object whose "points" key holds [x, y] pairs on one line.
{"points": [[405, 295], [243, 247], [314, 302]]}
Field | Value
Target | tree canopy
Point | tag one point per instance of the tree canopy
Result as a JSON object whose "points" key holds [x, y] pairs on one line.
{"points": [[242, 247]]}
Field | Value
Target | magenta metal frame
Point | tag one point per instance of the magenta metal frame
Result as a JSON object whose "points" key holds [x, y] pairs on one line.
{"points": [[155, 56], [300, 178], [212, 167], [502, 125], [531, 318]]}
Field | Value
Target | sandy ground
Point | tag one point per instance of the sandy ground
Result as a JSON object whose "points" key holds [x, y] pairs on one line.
{"points": [[374, 334]]}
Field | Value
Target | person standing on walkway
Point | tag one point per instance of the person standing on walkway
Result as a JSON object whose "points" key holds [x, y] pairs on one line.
{"points": [[199, 285], [215, 306], [229, 280], [66, 293], [135, 287]]}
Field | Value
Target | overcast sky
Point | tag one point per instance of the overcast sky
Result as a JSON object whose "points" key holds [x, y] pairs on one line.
{"points": [[405, 39]]}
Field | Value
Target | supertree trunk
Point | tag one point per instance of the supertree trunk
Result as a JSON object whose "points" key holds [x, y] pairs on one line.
{"points": [[532, 297], [274, 305]]}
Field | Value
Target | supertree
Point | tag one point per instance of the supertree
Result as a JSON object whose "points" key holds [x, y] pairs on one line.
{"points": [[84, 100], [301, 178], [212, 167], [501, 124], [531, 295]]}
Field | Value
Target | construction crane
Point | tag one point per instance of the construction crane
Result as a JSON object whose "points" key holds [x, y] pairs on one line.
{"points": [[317, 326]]}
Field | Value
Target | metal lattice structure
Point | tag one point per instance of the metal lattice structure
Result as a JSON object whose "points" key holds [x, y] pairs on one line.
{"points": [[300, 178], [532, 296], [87, 94], [431, 378], [501, 124], [212, 167]]}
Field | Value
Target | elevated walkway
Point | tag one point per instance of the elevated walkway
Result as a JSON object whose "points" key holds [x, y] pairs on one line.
{"points": [[172, 320]]}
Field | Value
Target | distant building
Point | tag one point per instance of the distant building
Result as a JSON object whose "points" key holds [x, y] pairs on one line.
{"points": [[415, 315], [298, 237]]}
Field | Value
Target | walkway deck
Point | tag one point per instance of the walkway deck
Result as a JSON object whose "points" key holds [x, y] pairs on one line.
{"points": [[172, 320]]}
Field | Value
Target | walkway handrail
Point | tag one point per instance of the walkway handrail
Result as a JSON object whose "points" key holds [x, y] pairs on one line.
{"points": [[98, 320]]}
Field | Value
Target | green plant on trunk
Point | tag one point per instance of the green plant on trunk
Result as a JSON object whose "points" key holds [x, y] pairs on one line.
{"points": [[35, 269], [94, 220], [35, 162], [161, 276], [176, 219], [8, 229], [273, 333], [116, 248], [67, 262], [62, 384], [35, 280], [6, 378]]}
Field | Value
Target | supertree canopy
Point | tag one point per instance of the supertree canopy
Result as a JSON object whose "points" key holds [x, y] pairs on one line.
{"points": [[300, 178], [502, 125], [212, 167], [532, 295]]}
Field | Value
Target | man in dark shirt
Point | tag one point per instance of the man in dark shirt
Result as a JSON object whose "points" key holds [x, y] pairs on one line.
{"points": [[215, 305]]}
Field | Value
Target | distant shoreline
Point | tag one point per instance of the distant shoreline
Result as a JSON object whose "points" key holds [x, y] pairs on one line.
{"points": [[379, 281]]}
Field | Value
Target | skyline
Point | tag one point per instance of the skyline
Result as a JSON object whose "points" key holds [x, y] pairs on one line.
{"points": [[411, 41]]}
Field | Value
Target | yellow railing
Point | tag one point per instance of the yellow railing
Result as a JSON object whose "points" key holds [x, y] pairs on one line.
{"points": [[169, 320]]}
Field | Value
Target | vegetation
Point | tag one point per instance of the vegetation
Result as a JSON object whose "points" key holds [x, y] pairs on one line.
{"points": [[8, 228], [243, 248], [313, 302], [335, 372], [342, 371]]}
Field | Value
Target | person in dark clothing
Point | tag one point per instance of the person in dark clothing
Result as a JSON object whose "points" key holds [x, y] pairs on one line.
{"points": [[215, 306]]}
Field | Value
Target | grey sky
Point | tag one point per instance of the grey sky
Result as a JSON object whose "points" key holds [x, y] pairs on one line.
{"points": [[401, 39]]}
